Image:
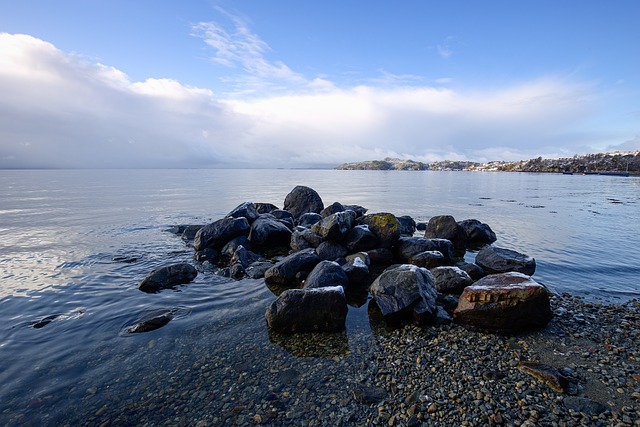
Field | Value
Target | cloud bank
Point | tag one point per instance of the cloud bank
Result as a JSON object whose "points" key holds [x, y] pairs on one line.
{"points": [[59, 110]]}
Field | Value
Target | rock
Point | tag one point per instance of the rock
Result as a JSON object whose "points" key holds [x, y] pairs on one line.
{"points": [[284, 272], [189, 232], [267, 232], [208, 254], [428, 259], [547, 374], [368, 394], [407, 225], [331, 251], [499, 260], [359, 210], [478, 234], [257, 269], [326, 273], [380, 256], [302, 200], [446, 227], [244, 257], [402, 286], [308, 310], [152, 321], [246, 210], [360, 238], [336, 226], [442, 317], [406, 247], [232, 245], [445, 247], [331, 209], [167, 277], [362, 256], [357, 268], [304, 239], [421, 226], [584, 405], [450, 280], [308, 219], [504, 303], [236, 271], [385, 226], [264, 207], [473, 270], [218, 233], [44, 321]]}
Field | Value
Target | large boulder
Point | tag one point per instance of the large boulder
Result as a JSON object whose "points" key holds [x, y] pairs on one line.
{"points": [[244, 257], [357, 268], [406, 247], [405, 286], [285, 271], [308, 219], [326, 273], [168, 277], [331, 251], [504, 303], [335, 227], [331, 209], [451, 280], [446, 227], [218, 233], [246, 210], [302, 200], [308, 310], [499, 260], [478, 233], [428, 259], [360, 238], [267, 231], [265, 207], [385, 226], [472, 269], [407, 225]]}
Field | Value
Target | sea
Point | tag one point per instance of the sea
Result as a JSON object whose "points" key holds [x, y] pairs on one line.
{"points": [[74, 244]]}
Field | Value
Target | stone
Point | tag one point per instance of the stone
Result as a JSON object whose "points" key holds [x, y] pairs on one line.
{"points": [[236, 271], [499, 260], [473, 270], [359, 210], [308, 310], [218, 233], [331, 209], [407, 225], [380, 256], [402, 286], [408, 246], [232, 245], [326, 273], [428, 259], [308, 219], [168, 277], [285, 271], [584, 405], [246, 210], [357, 268], [336, 226], [445, 247], [267, 232], [385, 226], [478, 234], [548, 375], [208, 254], [504, 303], [257, 269], [302, 200], [450, 280], [244, 257], [264, 207], [331, 251], [189, 232], [446, 227], [368, 394], [360, 238]]}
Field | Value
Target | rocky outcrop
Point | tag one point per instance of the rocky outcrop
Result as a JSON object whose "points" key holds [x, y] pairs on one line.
{"points": [[499, 260], [308, 310], [302, 200], [504, 303], [168, 277]]}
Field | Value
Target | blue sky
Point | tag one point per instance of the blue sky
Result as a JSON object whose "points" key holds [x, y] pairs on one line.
{"points": [[292, 84]]}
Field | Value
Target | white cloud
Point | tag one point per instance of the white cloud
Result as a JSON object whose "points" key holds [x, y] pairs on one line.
{"points": [[57, 110]]}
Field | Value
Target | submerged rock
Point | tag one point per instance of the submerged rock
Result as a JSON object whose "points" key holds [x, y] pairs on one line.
{"points": [[549, 375], [152, 321], [167, 277]]}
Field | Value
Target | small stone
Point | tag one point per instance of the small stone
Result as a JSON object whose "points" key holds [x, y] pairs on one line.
{"points": [[497, 418], [432, 408], [257, 419]]}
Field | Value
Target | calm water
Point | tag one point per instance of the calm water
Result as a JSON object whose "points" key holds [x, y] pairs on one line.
{"points": [[60, 232]]}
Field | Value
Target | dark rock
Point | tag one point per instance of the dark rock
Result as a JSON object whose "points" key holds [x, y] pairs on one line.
{"points": [[359, 210], [368, 394], [281, 214], [246, 210], [208, 254], [428, 259], [407, 247], [407, 225], [218, 233], [421, 226], [363, 256], [287, 222], [304, 239], [302, 200], [189, 232], [446, 227], [232, 245], [445, 247], [451, 280], [167, 277], [44, 321], [326, 273], [504, 303], [584, 405], [152, 321], [267, 231], [499, 260], [264, 207], [308, 310], [331, 251], [478, 233], [331, 209], [236, 271], [385, 226], [449, 302], [357, 268], [257, 269], [441, 317], [473, 270], [284, 272], [308, 219], [402, 286], [244, 257], [549, 375], [336, 226], [380, 256], [360, 238]]}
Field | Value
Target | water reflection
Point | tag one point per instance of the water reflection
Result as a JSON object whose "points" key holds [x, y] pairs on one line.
{"points": [[313, 344]]}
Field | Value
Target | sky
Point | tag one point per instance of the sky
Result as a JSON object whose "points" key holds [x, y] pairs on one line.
{"points": [[263, 84]]}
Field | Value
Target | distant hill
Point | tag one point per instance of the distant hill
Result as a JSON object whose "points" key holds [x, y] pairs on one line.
{"points": [[406, 165]]}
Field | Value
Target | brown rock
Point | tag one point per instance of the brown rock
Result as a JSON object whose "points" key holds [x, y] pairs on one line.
{"points": [[549, 375]]}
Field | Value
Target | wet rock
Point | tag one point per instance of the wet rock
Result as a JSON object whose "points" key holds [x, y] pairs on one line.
{"points": [[189, 232], [499, 260], [207, 255], [331, 209], [257, 269], [450, 280], [218, 233], [504, 303], [549, 375], [302, 200], [244, 257], [584, 405], [152, 321], [407, 225], [331, 251], [478, 234], [308, 310], [380, 256], [368, 394], [284, 272], [232, 245], [264, 207], [44, 321], [473, 270], [336, 226], [167, 277], [385, 226], [326, 273], [247, 210], [357, 268], [360, 238], [236, 271], [359, 210], [308, 219], [267, 231], [446, 227], [428, 259], [406, 247]]}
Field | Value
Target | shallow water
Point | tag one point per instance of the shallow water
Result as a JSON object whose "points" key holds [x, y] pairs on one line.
{"points": [[74, 245]]}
